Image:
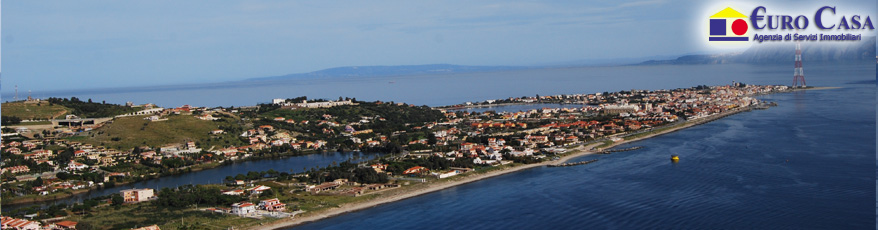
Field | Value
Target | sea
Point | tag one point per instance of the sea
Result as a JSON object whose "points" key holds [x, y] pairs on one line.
{"points": [[808, 163]]}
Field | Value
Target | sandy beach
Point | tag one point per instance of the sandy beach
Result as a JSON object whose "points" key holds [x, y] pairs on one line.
{"points": [[396, 195]]}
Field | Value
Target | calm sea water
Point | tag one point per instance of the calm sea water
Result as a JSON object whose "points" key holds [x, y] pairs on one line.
{"points": [[808, 163], [438, 90]]}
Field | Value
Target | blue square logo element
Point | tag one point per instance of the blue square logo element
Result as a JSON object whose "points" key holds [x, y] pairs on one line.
{"points": [[717, 27]]}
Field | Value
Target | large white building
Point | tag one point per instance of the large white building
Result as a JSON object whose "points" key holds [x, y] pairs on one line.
{"points": [[137, 195], [306, 104]]}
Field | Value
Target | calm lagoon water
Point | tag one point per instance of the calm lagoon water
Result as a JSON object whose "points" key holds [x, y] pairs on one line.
{"points": [[294, 164]]}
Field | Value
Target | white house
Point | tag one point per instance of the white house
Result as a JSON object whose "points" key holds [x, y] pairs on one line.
{"points": [[258, 189], [447, 174], [75, 166], [243, 208], [234, 192]]}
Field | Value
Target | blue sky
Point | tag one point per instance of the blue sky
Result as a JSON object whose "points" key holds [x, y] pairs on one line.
{"points": [[59, 45]]}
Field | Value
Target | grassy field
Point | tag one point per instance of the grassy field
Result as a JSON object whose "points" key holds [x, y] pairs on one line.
{"points": [[33, 111], [297, 198], [145, 214], [140, 215], [604, 145], [128, 132], [35, 123]]}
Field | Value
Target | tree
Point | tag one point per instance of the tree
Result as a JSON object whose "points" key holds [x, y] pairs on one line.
{"points": [[117, 199], [38, 182], [431, 139], [253, 175], [272, 173], [267, 194], [11, 120], [7, 176], [84, 226]]}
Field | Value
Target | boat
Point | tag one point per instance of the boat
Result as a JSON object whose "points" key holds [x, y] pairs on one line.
{"points": [[675, 158]]}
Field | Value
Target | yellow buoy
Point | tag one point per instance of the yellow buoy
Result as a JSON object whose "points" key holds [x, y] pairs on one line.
{"points": [[675, 158]]}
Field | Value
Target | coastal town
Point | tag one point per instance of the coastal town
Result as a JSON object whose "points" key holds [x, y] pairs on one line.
{"points": [[89, 146]]}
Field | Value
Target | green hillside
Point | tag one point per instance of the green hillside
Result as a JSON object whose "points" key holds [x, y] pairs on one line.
{"points": [[30, 111], [129, 132]]}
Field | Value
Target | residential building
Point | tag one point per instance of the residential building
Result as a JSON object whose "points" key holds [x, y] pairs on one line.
{"points": [[18, 224], [137, 195], [76, 166], [415, 170], [66, 224], [272, 205], [243, 208], [151, 227]]}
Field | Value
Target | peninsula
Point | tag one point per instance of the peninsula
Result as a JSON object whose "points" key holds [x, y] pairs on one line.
{"points": [[427, 149]]}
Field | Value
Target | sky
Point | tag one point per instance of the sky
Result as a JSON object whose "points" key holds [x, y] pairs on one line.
{"points": [[64, 45]]}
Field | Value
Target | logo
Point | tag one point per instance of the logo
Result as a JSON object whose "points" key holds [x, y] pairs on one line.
{"points": [[728, 25]]}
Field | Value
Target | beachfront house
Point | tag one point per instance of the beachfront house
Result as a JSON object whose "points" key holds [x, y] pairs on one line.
{"points": [[326, 186], [272, 205], [415, 170]]}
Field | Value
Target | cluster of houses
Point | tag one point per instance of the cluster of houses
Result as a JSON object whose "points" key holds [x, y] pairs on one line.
{"points": [[516, 134], [247, 208], [519, 134], [22, 224], [306, 104], [271, 207], [352, 188], [629, 111], [255, 190], [260, 138], [34, 150]]}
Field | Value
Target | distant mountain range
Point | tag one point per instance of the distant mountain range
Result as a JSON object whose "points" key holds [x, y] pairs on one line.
{"points": [[373, 71], [782, 52]]}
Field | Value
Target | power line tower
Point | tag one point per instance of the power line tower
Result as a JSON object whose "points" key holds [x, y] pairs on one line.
{"points": [[798, 73]]}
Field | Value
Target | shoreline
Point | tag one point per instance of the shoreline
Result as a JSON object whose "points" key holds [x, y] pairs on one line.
{"points": [[383, 197], [437, 186]]}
